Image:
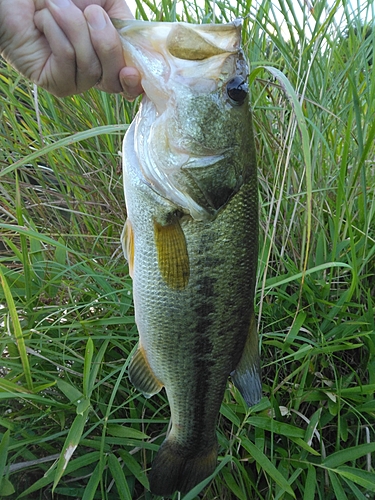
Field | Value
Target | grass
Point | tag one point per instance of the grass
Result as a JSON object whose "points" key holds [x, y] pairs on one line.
{"points": [[71, 424]]}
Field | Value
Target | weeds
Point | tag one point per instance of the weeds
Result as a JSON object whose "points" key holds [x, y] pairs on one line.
{"points": [[70, 421]]}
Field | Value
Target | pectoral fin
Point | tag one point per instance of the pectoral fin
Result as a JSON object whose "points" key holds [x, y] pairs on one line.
{"points": [[173, 258], [246, 376], [141, 375], [127, 240]]}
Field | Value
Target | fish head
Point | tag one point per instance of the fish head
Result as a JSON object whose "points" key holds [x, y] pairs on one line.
{"points": [[193, 131]]}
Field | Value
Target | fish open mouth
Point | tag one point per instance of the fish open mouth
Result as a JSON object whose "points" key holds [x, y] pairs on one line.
{"points": [[170, 54], [193, 76]]}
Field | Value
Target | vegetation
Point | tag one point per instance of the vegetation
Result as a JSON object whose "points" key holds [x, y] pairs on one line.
{"points": [[71, 424]]}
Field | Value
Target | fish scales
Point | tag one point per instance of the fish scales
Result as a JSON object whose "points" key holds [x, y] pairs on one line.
{"points": [[191, 237]]}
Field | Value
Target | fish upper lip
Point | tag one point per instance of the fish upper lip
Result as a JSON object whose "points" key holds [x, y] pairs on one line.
{"points": [[172, 77], [143, 49]]}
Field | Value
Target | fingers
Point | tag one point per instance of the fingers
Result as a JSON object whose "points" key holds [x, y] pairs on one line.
{"points": [[91, 47], [18, 36], [131, 83], [57, 74], [74, 64], [107, 45], [106, 42], [82, 48], [115, 8]]}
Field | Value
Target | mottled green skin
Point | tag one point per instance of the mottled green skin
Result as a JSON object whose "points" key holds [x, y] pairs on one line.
{"points": [[194, 337]]}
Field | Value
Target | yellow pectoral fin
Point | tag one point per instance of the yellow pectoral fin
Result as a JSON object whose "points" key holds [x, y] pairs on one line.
{"points": [[173, 258], [127, 240]]}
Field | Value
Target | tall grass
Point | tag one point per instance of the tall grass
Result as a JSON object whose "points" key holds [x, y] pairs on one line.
{"points": [[71, 424]]}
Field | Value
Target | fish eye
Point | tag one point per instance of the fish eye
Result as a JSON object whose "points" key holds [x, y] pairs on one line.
{"points": [[237, 90]]}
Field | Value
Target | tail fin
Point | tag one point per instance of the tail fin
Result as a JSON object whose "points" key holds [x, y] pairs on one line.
{"points": [[176, 470]]}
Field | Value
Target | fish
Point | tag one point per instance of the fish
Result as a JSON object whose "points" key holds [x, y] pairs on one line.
{"points": [[191, 234]]}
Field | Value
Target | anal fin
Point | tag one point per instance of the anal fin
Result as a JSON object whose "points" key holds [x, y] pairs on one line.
{"points": [[127, 240], [141, 375], [246, 376], [173, 258]]}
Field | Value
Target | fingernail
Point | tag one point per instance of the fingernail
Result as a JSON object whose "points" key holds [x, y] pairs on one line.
{"points": [[131, 81], [97, 20], [61, 4]]}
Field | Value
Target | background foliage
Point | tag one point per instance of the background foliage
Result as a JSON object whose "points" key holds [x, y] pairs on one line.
{"points": [[69, 419]]}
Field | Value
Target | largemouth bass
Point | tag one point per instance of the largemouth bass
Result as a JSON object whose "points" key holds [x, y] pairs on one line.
{"points": [[191, 236]]}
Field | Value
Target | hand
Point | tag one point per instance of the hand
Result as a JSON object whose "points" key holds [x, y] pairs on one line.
{"points": [[67, 46]]}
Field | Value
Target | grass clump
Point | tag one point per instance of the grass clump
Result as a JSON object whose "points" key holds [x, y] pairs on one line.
{"points": [[70, 421]]}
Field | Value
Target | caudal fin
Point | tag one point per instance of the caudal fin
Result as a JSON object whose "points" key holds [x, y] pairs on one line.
{"points": [[175, 470]]}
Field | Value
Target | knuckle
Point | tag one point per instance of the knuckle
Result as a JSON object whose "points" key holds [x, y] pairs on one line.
{"points": [[68, 53]]}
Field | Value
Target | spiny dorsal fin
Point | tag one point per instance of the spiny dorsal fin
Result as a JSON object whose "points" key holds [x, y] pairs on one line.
{"points": [[127, 240], [141, 375], [246, 376], [173, 258]]}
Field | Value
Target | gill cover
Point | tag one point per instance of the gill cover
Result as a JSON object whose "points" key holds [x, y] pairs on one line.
{"points": [[183, 118]]}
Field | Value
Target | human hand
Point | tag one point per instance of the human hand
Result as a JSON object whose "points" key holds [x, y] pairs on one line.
{"points": [[67, 46]]}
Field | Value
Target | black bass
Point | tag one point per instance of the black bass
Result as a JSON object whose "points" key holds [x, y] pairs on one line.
{"points": [[191, 236]]}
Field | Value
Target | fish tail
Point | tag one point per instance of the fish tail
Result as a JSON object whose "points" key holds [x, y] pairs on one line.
{"points": [[175, 469]]}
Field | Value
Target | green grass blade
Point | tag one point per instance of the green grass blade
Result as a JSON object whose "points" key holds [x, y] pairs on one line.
{"points": [[22, 230], [17, 330], [119, 477], [197, 489], [72, 393], [358, 476], [232, 485], [266, 465], [337, 486], [310, 485], [65, 142], [92, 485], [62, 210], [297, 108], [74, 465], [278, 427], [358, 495], [281, 280], [134, 467], [4, 444], [348, 455], [89, 352], [71, 443]]}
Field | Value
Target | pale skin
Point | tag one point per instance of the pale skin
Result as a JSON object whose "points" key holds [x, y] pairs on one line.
{"points": [[67, 46]]}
